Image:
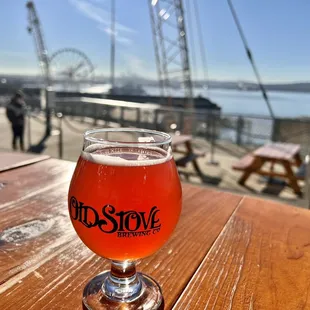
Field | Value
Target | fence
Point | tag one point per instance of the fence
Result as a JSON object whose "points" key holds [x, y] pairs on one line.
{"points": [[242, 130], [55, 130], [147, 115]]}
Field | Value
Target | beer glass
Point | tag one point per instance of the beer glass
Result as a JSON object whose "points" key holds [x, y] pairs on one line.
{"points": [[124, 203]]}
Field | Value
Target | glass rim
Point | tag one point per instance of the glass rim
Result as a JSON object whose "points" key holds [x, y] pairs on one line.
{"points": [[89, 138]]}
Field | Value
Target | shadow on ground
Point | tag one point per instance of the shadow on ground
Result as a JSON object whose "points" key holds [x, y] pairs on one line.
{"points": [[210, 180], [273, 186]]}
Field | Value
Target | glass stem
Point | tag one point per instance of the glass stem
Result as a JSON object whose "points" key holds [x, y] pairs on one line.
{"points": [[122, 283]]}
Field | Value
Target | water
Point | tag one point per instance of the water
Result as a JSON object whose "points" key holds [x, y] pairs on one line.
{"points": [[284, 104], [259, 130]]}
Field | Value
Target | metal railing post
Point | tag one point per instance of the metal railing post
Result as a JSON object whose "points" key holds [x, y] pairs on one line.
{"points": [[138, 119], [181, 121], [60, 136], [122, 116], [213, 120], [156, 119], [29, 126], [275, 136], [239, 130], [207, 120], [95, 115], [81, 107]]}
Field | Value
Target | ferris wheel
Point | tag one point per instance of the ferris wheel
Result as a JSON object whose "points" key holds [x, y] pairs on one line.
{"points": [[71, 67]]}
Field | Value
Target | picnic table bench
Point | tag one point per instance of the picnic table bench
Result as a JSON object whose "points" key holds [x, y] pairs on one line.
{"points": [[189, 155], [227, 252], [285, 154]]}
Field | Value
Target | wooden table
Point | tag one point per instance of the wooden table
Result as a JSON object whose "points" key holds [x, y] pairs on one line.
{"points": [[285, 154], [227, 252], [189, 155], [11, 160]]}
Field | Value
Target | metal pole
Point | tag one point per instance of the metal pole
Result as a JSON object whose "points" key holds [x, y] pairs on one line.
{"points": [[60, 138], [47, 113], [181, 120], [239, 130], [112, 63], [122, 116], [212, 161], [138, 117], [156, 119], [95, 114], [29, 127]]}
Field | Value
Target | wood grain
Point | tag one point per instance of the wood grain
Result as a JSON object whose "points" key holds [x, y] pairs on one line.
{"points": [[285, 151], [30, 180], [10, 160], [58, 282], [261, 260], [32, 231], [244, 163]]}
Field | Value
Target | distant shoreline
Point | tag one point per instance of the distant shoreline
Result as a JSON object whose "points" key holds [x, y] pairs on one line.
{"points": [[17, 81]]}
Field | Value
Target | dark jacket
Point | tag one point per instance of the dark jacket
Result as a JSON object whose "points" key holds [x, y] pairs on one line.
{"points": [[15, 112]]}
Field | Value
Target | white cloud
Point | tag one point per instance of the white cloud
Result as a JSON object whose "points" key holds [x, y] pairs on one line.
{"points": [[92, 10], [118, 37], [98, 1], [133, 65]]}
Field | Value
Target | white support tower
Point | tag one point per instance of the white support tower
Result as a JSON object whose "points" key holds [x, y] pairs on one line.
{"points": [[171, 50], [34, 27]]}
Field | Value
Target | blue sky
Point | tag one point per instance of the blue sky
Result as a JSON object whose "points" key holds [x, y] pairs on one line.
{"points": [[277, 31]]}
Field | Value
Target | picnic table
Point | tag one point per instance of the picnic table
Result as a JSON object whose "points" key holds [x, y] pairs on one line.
{"points": [[188, 155], [227, 252], [285, 154]]}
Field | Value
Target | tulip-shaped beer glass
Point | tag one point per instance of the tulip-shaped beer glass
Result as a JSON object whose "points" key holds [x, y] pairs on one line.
{"points": [[124, 202]]}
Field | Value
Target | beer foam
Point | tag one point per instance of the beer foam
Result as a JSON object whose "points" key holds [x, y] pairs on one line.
{"points": [[113, 160]]}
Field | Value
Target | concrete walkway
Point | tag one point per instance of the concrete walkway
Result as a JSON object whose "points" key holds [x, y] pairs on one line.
{"points": [[220, 176]]}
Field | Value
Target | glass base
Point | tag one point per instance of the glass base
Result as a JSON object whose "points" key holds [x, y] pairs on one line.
{"points": [[150, 297]]}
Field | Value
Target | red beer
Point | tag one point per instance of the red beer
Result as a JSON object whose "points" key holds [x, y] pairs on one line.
{"points": [[124, 202]]}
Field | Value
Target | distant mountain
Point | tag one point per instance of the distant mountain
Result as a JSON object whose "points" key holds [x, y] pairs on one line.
{"points": [[9, 81], [293, 87]]}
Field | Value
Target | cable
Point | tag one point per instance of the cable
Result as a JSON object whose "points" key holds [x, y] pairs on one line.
{"points": [[202, 46], [192, 39], [249, 54]]}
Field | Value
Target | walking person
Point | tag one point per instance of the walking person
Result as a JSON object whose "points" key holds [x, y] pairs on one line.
{"points": [[15, 112]]}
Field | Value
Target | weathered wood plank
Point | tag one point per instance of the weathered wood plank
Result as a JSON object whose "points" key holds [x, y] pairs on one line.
{"points": [[280, 151], [30, 180], [261, 260], [58, 282], [244, 163], [11, 160], [32, 231]]}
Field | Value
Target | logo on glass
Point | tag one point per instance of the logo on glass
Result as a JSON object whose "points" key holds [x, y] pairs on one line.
{"points": [[125, 223]]}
